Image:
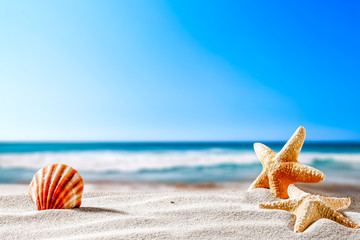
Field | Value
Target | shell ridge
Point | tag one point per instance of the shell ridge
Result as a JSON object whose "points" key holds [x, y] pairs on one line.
{"points": [[58, 186], [46, 181], [66, 190], [48, 184], [57, 175], [72, 197], [38, 189], [42, 186], [33, 190], [70, 192], [60, 189]]}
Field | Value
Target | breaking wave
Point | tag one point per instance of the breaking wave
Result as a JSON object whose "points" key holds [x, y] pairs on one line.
{"points": [[209, 165]]}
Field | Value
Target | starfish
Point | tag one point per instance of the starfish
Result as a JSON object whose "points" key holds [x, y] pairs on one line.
{"points": [[309, 208], [282, 169]]}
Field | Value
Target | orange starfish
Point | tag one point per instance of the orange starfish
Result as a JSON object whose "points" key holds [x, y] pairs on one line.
{"points": [[282, 169], [309, 208]]}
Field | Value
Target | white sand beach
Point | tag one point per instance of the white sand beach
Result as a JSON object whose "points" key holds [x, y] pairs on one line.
{"points": [[225, 213]]}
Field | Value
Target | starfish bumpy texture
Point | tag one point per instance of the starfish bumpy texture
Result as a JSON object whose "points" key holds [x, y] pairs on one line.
{"points": [[282, 169], [309, 208]]}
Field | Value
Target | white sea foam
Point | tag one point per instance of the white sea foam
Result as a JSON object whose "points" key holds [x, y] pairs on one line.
{"points": [[134, 161], [125, 160]]}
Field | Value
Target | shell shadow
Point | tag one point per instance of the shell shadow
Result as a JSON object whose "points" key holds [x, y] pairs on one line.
{"points": [[97, 209]]}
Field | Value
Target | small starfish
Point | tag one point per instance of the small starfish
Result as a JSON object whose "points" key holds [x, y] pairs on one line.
{"points": [[282, 169], [309, 208]]}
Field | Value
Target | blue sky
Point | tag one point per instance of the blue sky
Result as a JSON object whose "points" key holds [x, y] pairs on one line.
{"points": [[179, 70]]}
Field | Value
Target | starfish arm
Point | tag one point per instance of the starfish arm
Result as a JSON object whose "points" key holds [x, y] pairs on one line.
{"points": [[301, 173], [328, 213], [291, 150], [279, 185], [264, 153], [295, 192], [262, 181], [287, 205], [301, 223], [336, 204], [306, 214]]}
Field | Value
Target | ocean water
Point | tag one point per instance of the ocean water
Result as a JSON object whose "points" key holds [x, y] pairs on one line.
{"points": [[190, 162]]}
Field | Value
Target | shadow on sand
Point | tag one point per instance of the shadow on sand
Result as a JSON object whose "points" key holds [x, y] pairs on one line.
{"points": [[96, 209]]}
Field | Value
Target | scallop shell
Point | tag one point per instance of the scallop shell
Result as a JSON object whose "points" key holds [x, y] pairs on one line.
{"points": [[56, 186]]}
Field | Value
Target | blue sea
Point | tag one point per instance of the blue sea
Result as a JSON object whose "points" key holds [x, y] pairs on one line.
{"points": [[171, 162]]}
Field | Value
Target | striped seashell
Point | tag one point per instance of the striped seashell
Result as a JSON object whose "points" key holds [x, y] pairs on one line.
{"points": [[56, 186]]}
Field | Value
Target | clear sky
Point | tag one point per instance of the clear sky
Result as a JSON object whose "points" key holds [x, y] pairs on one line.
{"points": [[179, 70]]}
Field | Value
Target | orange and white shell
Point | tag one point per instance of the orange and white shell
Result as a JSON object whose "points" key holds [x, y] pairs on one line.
{"points": [[56, 186]]}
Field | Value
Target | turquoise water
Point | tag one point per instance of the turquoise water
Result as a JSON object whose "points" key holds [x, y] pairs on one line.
{"points": [[170, 162]]}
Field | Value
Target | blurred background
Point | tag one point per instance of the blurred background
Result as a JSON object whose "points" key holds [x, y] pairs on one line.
{"points": [[177, 91]]}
